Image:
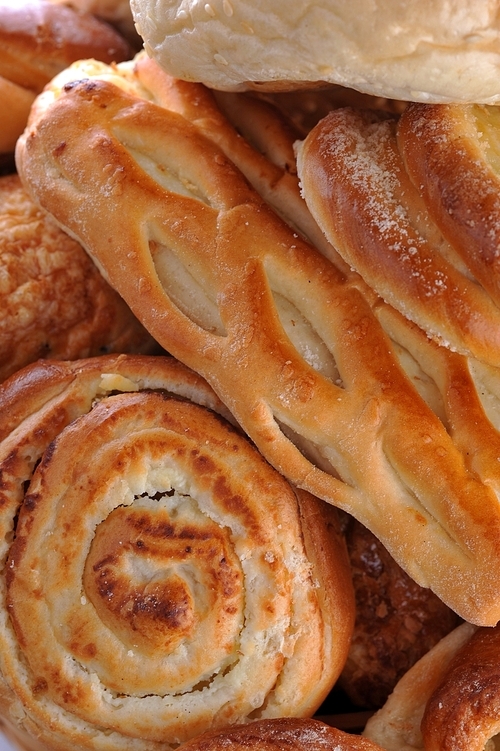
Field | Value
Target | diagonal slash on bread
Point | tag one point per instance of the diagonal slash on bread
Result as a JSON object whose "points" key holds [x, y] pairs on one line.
{"points": [[309, 362]]}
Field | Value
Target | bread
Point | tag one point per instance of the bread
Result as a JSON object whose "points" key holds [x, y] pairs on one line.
{"points": [[397, 621], [355, 184], [280, 734], [161, 579], [339, 393], [115, 12], [55, 303], [396, 726], [436, 51], [37, 40]]}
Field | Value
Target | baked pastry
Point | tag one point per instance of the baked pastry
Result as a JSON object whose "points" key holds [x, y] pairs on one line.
{"points": [[355, 184], [337, 390], [183, 584], [116, 12], [55, 303], [397, 622], [396, 726], [37, 40], [437, 51], [449, 701], [280, 734]]}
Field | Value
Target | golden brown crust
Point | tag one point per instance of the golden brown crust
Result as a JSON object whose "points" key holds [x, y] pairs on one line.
{"points": [[55, 303], [37, 40], [355, 184], [397, 621], [451, 154], [179, 594], [310, 362], [463, 712], [279, 735]]}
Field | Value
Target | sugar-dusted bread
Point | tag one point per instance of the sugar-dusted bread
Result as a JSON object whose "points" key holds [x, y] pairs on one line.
{"points": [[160, 578], [37, 40], [426, 50], [280, 734], [337, 390], [54, 301], [424, 245]]}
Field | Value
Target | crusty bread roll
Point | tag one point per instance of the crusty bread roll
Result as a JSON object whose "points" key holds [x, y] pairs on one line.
{"points": [[55, 303], [428, 50], [37, 40], [336, 389], [280, 734], [160, 578]]}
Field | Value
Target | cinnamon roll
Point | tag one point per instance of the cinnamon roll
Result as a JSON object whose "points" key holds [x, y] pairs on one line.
{"points": [[159, 577]]}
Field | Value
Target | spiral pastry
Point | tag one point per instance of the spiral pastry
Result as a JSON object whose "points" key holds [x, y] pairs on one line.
{"points": [[160, 578]]}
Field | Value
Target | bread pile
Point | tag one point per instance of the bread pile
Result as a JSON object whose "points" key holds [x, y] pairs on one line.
{"points": [[320, 264]]}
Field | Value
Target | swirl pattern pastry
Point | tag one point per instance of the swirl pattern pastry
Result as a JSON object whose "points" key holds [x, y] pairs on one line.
{"points": [[380, 217], [338, 391], [160, 578]]}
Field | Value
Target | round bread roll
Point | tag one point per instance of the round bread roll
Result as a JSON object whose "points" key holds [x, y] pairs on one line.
{"points": [[428, 50]]}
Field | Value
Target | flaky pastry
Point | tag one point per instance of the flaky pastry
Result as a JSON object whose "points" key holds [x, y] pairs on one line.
{"points": [[159, 577], [340, 393]]}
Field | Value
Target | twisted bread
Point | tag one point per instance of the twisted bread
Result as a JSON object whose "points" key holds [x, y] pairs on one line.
{"points": [[306, 357], [175, 584]]}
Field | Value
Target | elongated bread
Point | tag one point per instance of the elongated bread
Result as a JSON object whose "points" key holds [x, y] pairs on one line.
{"points": [[380, 220], [160, 577], [337, 390]]}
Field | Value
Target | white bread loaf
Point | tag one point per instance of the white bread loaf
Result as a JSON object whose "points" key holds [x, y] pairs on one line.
{"points": [[422, 50]]}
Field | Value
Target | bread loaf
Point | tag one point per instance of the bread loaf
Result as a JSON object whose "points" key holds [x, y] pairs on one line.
{"points": [[430, 50]]}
